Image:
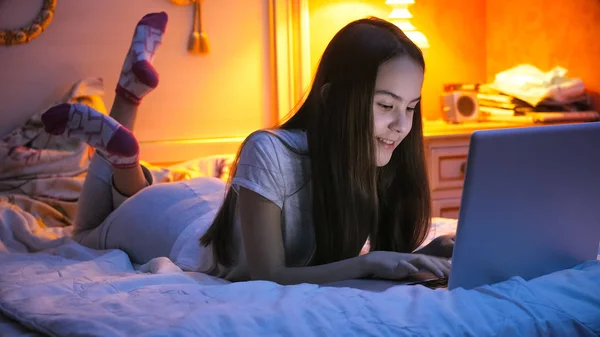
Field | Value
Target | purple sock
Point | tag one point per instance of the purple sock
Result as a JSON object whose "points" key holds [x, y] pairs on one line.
{"points": [[106, 135], [138, 76]]}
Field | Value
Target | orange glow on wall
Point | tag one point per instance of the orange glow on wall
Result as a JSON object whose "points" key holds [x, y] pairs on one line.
{"points": [[546, 34], [327, 17], [455, 30], [472, 40]]}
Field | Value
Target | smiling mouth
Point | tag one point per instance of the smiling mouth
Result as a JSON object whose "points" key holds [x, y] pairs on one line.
{"points": [[386, 141]]}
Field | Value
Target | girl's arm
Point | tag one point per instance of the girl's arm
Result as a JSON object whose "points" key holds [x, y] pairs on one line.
{"points": [[442, 246], [261, 233]]}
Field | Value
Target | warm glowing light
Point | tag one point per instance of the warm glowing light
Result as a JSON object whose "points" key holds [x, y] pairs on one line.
{"points": [[400, 2], [400, 13], [405, 26], [418, 38], [401, 16]]}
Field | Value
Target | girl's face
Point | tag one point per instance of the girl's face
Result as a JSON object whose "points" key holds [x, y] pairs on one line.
{"points": [[397, 92]]}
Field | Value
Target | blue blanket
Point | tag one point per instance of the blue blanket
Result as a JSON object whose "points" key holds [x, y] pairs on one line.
{"points": [[65, 289]]}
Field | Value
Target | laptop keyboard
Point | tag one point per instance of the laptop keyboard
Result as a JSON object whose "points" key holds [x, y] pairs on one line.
{"points": [[433, 284]]}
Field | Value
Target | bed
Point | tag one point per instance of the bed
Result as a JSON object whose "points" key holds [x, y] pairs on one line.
{"points": [[51, 285]]}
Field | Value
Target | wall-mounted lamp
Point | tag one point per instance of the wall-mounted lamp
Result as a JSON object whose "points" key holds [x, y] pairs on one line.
{"points": [[401, 16]]}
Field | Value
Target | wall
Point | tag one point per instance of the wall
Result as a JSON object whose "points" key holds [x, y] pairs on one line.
{"points": [[546, 34], [455, 30], [224, 94], [472, 40], [228, 93]]}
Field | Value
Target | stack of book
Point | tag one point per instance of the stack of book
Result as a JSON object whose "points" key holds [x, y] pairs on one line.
{"points": [[498, 107]]}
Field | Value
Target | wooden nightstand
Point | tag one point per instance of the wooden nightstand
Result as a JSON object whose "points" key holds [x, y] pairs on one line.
{"points": [[446, 150]]}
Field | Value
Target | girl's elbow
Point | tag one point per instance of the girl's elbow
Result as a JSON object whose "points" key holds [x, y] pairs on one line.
{"points": [[270, 275]]}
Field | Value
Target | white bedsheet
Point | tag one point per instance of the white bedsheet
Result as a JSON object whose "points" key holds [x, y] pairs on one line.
{"points": [[60, 288]]}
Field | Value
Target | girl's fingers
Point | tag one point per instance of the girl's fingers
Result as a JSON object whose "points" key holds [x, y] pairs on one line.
{"points": [[427, 263]]}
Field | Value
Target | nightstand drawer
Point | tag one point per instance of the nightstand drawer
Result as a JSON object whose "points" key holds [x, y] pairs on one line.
{"points": [[445, 208], [447, 167]]}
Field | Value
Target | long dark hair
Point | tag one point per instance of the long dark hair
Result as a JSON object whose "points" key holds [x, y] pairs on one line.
{"points": [[352, 198]]}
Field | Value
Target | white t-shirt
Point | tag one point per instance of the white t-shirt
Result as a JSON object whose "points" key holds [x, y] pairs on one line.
{"points": [[275, 164]]}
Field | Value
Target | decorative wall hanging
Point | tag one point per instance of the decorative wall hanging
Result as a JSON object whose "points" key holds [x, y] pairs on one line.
{"points": [[198, 40], [25, 34]]}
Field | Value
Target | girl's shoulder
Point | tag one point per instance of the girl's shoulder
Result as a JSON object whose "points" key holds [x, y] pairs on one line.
{"points": [[274, 160], [291, 142]]}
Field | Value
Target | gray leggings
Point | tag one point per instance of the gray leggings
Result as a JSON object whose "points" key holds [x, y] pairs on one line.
{"points": [[161, 220]]}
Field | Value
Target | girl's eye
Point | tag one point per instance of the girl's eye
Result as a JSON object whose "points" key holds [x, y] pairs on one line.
{"points": [[410, 109], [386, 107]]}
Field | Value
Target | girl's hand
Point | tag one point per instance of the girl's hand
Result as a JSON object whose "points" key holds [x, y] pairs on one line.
{"points": [[395, 266], [442, 246]]}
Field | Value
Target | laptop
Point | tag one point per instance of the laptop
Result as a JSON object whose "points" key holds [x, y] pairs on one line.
{"points": [[530, 204]]}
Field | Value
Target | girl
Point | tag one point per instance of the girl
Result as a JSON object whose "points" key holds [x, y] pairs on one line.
{"points": [[304, 197]]}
